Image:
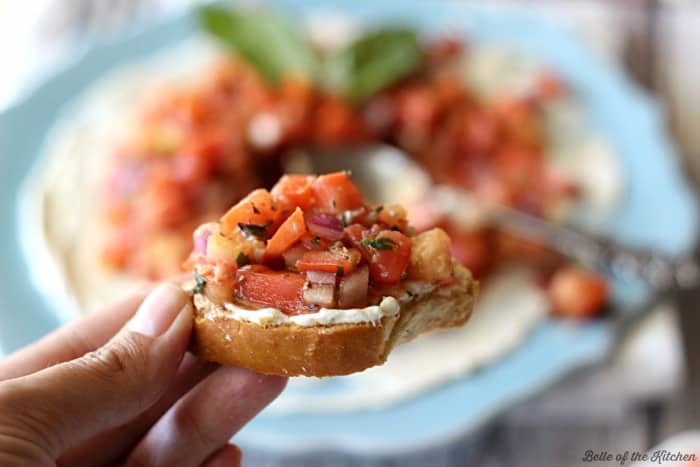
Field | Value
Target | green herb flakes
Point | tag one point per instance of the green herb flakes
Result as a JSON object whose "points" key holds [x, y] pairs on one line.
{"points": [[254, 230], [199, 283], [242, 259], [379, 243]]}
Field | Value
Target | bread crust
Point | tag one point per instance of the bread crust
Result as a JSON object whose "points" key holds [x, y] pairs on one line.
{"points": [[338, 349]]}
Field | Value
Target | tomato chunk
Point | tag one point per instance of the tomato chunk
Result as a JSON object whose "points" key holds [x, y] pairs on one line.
{"points": [[394, 216], [473, 249], [389, 254], [577, 293], [294, 191], [312, 242], [336, 193], [259, 285], [341, 261], [288, 233], [258, 208], [354, 233]]}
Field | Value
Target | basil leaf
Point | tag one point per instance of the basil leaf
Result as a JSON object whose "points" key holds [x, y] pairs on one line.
{"points": [[380, 243], [373, 62], [199, 283], [265, 39], [254, 230]]}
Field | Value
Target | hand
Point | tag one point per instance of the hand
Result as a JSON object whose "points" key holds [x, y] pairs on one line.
{"points": [[84, 397]]}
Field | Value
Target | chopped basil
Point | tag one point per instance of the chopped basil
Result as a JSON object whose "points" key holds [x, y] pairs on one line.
{"points": [[316, 240], [199, 283], [340, 271], [277, 47], [242, 259], [380, 243], [373, 62], [269, 41], [379, 209], [254, 230]]}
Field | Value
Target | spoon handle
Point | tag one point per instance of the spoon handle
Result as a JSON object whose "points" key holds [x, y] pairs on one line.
{"points": [[661, 272]]}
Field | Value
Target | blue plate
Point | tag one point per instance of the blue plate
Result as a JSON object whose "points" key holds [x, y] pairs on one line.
{"points": [[659, 211]]}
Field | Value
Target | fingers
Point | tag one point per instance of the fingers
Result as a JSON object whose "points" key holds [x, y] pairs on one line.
{"points": [[228, 456], [109, 447], [67, 403], [206, 418], [78, 337], [71, 341]]}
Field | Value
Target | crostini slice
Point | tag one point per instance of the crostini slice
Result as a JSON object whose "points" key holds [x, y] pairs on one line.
{"points": [[307, 279]]}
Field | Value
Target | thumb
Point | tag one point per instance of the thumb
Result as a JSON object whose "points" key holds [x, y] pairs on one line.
{"points": [[64, 405]]}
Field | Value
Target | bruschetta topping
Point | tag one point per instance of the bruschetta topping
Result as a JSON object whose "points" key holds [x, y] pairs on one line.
{"points": [[311, 243]]}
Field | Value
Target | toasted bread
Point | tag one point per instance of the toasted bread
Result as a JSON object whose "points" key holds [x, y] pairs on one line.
{"points": [[328, 350]]}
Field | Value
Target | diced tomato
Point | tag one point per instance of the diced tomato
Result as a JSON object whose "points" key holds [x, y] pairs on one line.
{"points": [[288, 233], [355, 233], [263, 286], [341, 261], [517, 166], [292, 255], [336, 121], [190, 169], [388, 264], [258, 208], [335, 193], [194, 163], [473, 249], [294, 190], [417, 107], [519, 123], [312, 242], [163, 203], [394, 215], [577, 293]]}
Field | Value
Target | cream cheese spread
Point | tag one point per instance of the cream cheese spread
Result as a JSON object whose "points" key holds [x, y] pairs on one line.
{"points": [[389, 306]]}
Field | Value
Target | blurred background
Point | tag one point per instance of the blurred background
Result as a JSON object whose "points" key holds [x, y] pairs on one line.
{"points": [[648, 390]]}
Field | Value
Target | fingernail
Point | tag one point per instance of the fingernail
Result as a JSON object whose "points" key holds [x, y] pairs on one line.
{"points": [[159, 310]]}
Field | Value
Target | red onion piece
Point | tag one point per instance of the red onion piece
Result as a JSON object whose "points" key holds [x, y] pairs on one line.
{"points": [[319, 294], [352, 291], [325, 226], [201, 236], [320, 277]]}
